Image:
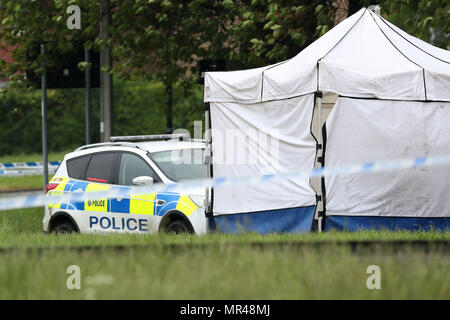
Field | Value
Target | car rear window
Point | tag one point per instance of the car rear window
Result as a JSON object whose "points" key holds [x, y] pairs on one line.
{"points": [[100, 168], [76, 168]]}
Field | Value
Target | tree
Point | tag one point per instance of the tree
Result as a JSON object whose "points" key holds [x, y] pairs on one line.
{"points": [[269, 31], [26, 24], [424, 19], [161, 39], [166, 39]]}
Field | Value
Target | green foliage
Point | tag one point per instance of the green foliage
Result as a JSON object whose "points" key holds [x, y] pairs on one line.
{"points": [[21, 112], [26, 24], [425, 19], [160, 39], [164, 40], [139, 109], [269, 31]]}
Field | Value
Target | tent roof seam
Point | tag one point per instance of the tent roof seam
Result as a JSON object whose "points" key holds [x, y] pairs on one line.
{"points": [[404, 55], [348, 31], [385, 22], [262, 76]]}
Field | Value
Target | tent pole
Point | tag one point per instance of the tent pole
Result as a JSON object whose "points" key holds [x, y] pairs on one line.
{"points": [[207, 156], [319, 126]]}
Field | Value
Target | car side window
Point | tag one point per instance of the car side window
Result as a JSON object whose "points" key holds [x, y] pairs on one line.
{"points": [[76, 168], [132, 166], [101, 167]]}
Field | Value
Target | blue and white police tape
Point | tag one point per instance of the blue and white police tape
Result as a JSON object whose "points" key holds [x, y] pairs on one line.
{"points": [[26, 165], [124, 192], [26, 168], [30, 172]]}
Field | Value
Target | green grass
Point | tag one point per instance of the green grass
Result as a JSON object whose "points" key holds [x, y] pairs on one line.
{"points": [[224, 272], [22, 183], [23, 228], [52, 156], [217, 266]]}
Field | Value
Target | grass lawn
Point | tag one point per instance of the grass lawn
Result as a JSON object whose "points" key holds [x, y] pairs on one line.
{"points": [[52, 156], [22, 183], [19, 183], [33, 265]]}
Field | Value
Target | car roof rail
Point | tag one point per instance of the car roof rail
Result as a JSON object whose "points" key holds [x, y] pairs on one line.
{"points": [[108, 144], [153, 137]]}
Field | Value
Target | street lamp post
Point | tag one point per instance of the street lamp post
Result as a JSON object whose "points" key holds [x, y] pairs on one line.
{"points": [[106, 80], [44, 120]]}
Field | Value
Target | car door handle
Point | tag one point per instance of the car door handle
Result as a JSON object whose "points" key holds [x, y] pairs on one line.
{"points": [[160, 202]]}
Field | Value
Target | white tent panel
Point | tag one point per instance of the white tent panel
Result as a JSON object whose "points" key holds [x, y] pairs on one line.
{"points": [[298, 75], [290, 78], [234, 86], [362, 59], [361, 130], [435, 62], [363, 56], [263, 138], [366, 64], [420, 44], [438, 86]]}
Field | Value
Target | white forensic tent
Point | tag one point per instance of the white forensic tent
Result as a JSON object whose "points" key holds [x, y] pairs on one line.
{"points": [[372, 130], [394, 102], [263, 139]]}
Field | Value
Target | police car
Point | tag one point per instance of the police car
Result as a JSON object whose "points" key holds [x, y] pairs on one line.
{"points": [[123, 164]]}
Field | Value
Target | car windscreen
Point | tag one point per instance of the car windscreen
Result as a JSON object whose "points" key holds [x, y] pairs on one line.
{"points": [[182, 164]]}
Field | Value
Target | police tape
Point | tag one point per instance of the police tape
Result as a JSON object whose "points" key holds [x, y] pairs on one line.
{"points": [[120, 192], [26, 165], [30, 172], [26, 168]]}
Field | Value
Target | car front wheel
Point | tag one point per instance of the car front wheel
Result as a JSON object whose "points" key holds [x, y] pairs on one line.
{"points": [[65, 227], [178, 227]]}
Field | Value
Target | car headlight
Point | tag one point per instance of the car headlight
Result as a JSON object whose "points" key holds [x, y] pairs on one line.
{"points": [[198, 200]]}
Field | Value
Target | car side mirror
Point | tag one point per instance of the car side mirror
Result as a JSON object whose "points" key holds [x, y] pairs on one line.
{"points": [[143, 181]]}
